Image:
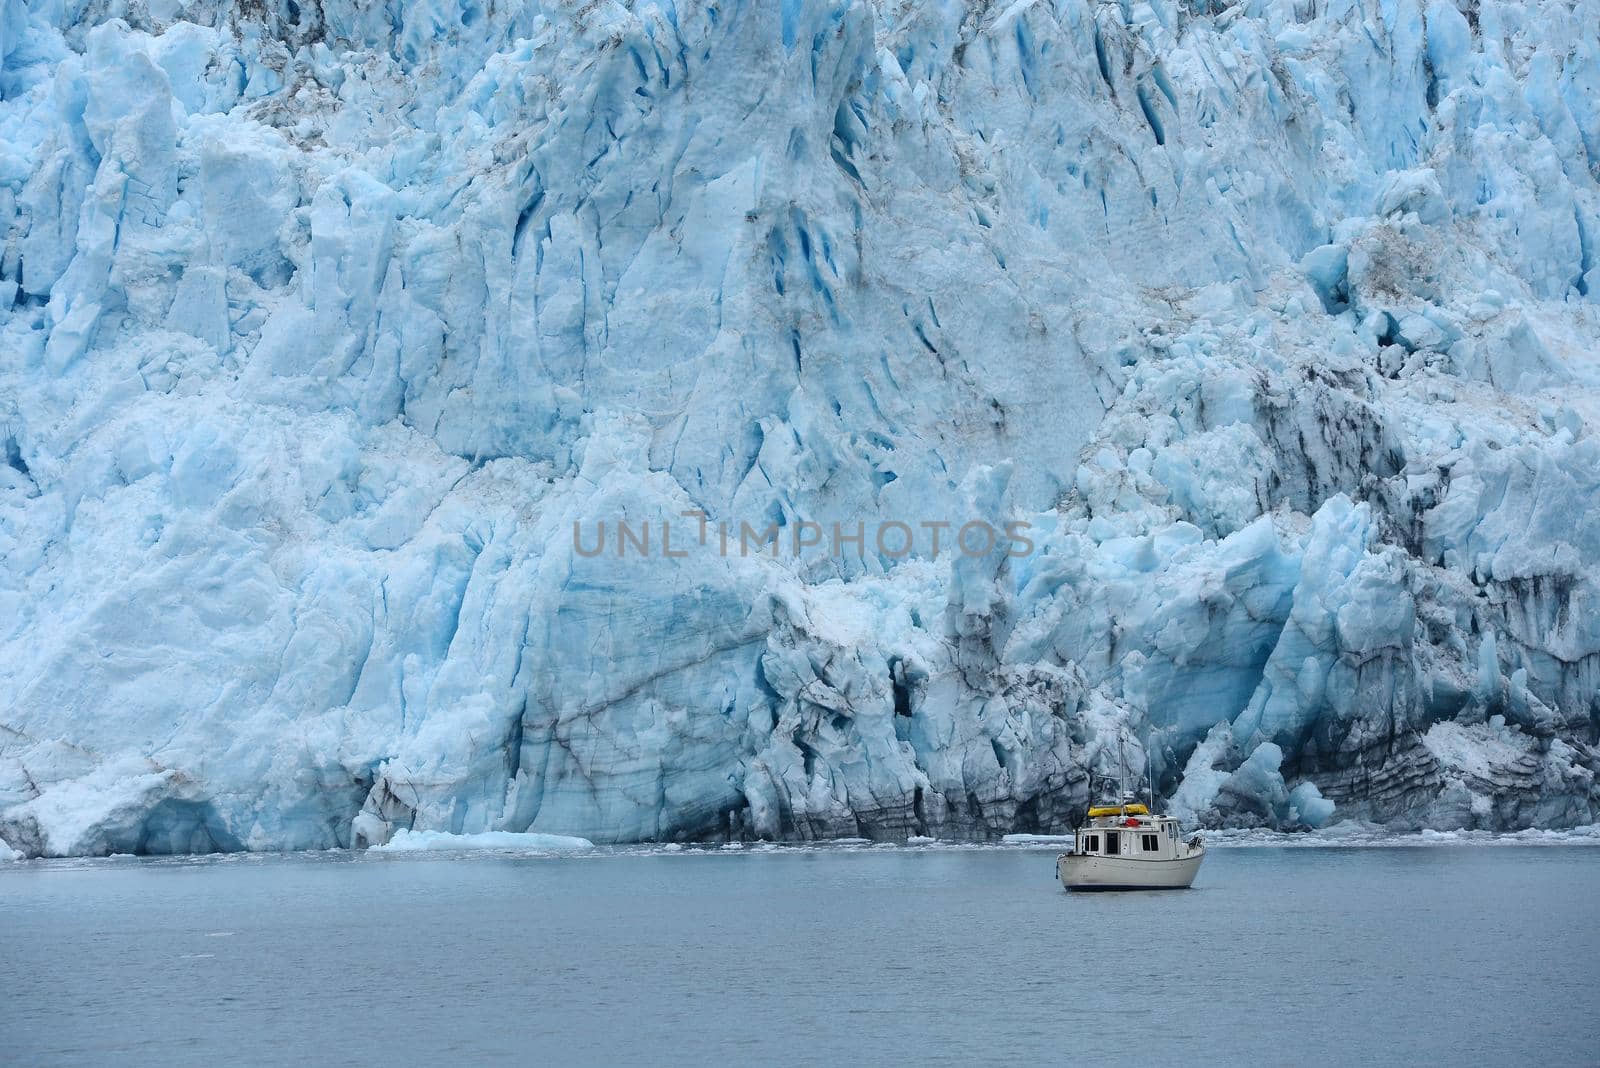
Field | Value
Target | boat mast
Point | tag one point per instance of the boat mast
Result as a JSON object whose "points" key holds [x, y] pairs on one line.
{"points": [[1150, 777]]}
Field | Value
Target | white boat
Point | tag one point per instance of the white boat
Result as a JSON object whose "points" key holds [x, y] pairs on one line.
{"points": [[1125, 847]]}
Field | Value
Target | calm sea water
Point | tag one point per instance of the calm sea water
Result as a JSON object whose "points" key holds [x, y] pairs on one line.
{"points": [[875, 956]]}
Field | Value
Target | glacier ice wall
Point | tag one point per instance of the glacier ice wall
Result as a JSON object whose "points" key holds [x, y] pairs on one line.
{"points": [[325, 326]]}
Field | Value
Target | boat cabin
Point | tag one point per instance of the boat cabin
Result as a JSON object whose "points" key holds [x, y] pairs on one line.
{"points": [[1128, 831]]}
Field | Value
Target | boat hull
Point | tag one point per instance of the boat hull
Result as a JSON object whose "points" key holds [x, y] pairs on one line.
{"points": [[1079, 871]]}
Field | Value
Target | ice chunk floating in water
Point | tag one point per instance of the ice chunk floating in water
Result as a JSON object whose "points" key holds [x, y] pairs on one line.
{"points": [[325, 329], [425, 841]]}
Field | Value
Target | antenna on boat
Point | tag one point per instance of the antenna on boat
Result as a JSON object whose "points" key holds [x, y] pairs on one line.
{"points": [[1122, 769]]}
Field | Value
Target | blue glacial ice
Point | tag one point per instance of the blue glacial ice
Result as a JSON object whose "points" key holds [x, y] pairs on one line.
{"points": [[324, 327]]}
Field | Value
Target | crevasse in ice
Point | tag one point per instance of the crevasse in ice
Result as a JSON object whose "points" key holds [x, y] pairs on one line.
{"points": [[331, 334]]}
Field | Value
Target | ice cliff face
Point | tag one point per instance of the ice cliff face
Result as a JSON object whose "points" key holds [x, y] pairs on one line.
{"points": [[325, 327]]}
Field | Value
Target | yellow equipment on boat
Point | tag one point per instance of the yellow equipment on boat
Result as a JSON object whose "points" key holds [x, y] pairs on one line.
{"points": [[1118, 810]]}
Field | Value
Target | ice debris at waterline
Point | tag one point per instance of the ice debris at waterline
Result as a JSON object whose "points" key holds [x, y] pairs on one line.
{"points": [[404, 841], [324, 326]]}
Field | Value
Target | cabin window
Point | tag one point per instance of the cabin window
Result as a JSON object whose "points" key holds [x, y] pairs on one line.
{"points": [[1091, 843], [1111, 843], [1151, 843]]}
